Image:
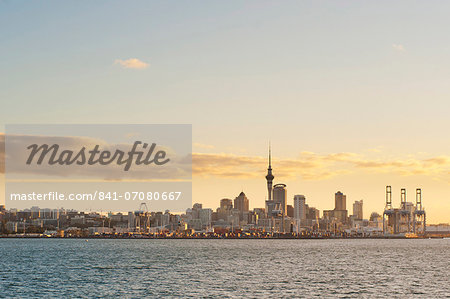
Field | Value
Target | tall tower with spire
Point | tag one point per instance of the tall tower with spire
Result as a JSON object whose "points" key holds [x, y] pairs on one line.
{"points": [[269, 176]]}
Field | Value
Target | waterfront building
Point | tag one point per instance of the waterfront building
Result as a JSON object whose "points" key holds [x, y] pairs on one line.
{"points": [[234, 218], [279, 197], [205, 216], [35, 212], [312, 216], [358, 210], [195, 224], [299, 207], [197, 206], [253, 216], [340, 201], [312, 213], [260, 213], [340, 215], [376, 220], [226, 204], [271, 208], [131, 221], [340, 207], [290, 211], [375, 217], [224, 211]]}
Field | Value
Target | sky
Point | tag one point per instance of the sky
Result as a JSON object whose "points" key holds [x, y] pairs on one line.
{"points": [[353, 95]]}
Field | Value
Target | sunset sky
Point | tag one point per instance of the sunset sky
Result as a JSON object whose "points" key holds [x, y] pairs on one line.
{"points": [[352, 95]]}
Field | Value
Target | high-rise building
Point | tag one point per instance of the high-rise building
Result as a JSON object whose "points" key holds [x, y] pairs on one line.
{"points": [[290, 211], [205, 216], [197, 206], [35, 212], [340, 207], [313, 214], [299, 207], [241, 203], [131, 220], [195, 210], [270, 208], [279, 197], [358, 209], [226, 204], [340, 201]]}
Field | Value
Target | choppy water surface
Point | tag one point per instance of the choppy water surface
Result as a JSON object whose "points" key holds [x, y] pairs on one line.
{"points": [[229, 268]]}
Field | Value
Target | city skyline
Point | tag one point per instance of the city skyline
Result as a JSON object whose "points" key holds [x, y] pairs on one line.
{"points": [[235, 218], [323, 203], [371, 204], [277, 204]]}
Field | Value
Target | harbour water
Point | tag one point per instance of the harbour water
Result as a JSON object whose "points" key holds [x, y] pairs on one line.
{"points": [[228, 268]]}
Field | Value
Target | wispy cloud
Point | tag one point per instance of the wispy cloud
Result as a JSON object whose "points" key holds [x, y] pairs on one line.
{"points": [[398, 47], [132, 63], [202, 146], [308, 165], [313, 166]]}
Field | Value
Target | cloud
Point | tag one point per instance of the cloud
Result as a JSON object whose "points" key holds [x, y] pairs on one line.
{"points": [[308, 165], [202, 146], [398, 47], [312, 166], [132, 63], [242, 167]]}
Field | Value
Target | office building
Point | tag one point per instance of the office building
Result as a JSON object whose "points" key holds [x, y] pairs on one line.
{"points": [[226, 204], [279, 197], [241, 203], [340, 201], [299, 207], [358, 210]]}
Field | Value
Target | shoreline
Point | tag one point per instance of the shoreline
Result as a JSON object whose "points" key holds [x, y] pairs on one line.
{"points": [[223, 238]]}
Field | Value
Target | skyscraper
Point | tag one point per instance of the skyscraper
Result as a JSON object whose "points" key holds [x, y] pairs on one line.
{"points": [[299, 207], [340, 210], [340, 201], [226, 204], [358, 209], [279, 197], [241, 203]]}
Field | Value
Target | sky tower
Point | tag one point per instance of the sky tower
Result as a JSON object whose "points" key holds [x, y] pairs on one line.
{"points": [[269, 176]]}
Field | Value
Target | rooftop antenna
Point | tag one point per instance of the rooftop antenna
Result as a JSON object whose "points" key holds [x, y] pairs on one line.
{"points": [[270, 156]]}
